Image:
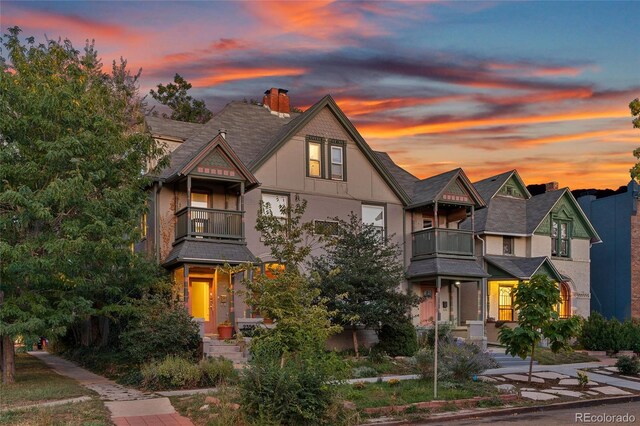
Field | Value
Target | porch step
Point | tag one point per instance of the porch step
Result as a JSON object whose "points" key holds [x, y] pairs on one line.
{"points": [[219, 348], [223, 349], [236, 357]]}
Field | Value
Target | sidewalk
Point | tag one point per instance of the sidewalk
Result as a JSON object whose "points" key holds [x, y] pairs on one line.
{"points": [[128, 407]]}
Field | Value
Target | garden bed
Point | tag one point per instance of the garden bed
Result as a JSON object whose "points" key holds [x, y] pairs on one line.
{"points": [[547, 357]]}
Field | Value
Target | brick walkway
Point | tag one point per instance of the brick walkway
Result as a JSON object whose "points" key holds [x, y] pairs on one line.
{"points": [[128, 407]]}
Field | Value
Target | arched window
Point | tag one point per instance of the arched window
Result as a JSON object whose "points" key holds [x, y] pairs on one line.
{"points": [[564, 307]]}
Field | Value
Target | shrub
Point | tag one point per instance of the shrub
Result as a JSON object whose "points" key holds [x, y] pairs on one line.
{"points": [[631, 335], [456, 361], [600, 334], [398, 339], [427, 337], [629, 366], [216, 371], [159, 331], [463, 361], [171, 373], [287, 388], [364, 371]]}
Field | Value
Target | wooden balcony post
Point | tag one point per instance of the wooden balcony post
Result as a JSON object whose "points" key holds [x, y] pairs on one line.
{"points": [[188, 206], [436, 225], [473, 230], [242, 208]]}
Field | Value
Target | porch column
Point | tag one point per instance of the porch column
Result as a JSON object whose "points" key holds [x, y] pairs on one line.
{"points": [[242, 207], [436, 225], [189, 206], [186, 286], [473, 230], [232, 314]]}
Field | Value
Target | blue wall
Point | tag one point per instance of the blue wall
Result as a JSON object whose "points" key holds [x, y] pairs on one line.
{"points": [[611, 259]]}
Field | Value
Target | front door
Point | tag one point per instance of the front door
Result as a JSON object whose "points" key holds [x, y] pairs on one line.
{"points": [[203, 303], [428, 305]]}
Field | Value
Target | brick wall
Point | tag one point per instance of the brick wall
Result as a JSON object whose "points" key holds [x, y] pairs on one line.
{"points": [[635, 265]]}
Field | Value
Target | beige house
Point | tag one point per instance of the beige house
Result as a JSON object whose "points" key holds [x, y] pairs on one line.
{"points": [[203, 206]]}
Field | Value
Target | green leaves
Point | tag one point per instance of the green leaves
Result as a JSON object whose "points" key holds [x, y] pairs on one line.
{"points": [[183, 106], [634, 106]]}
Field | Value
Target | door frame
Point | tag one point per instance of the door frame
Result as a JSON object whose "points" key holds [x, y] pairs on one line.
{"points": [[210, 327]]}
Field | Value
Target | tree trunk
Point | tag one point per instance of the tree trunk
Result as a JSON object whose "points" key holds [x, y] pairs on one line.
{"points": [[533, 349], [9, 371], [354, 334]]}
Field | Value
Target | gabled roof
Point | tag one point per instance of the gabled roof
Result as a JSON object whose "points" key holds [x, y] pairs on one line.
{"points": [[218, 142], [490, 186], [429, 190], [523, 268], [403, 177], [539, 206], [292, 128], [191, 251], [442, 266], [172, 129]]}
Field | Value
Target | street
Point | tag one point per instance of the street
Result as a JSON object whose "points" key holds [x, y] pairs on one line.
{"points": [[560, 417]]}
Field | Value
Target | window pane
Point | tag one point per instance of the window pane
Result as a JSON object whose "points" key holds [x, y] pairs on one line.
{"points": [[554, 229], [275, 203], [199, 199], [314, 168], [373, 215], [336, 154], [563, 230], [336, 171], [314, 151]]}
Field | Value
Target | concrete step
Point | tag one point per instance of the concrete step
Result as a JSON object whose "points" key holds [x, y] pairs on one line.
{"points": [[215, 342], [223, 349], [232, 356]]}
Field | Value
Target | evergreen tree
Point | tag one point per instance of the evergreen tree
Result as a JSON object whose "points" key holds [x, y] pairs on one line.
{"points": [[183, 106], [360, 275], [634, 106], [71, 191]]}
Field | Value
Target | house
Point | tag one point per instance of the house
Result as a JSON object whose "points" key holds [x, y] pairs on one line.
{"points": [[615, 264], [520, 235], [203, 207]]}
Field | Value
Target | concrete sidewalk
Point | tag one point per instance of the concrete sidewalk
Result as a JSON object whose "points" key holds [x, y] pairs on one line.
{"points": [[128, 407]]}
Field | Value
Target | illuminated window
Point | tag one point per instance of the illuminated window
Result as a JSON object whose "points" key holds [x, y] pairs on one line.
{"points": [[143, 226], [505, 303], [314, 153], [564, 307]]}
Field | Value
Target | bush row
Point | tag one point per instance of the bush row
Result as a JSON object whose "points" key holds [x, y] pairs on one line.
{"points": [[179, 373], [600, 334]]}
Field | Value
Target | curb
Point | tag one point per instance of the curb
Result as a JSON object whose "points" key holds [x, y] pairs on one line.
{"points": [[509, 411]]}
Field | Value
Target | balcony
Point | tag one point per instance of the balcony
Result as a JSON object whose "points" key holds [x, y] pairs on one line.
{"points": [[442, 241], [209, 223]]}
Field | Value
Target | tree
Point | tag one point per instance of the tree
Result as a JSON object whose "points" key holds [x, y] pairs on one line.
{"points": [[71, 192], [634, 106], [535, 302], [360, 275], [183, 106]]}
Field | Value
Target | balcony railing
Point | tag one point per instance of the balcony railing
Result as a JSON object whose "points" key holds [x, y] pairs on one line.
{"points": [[209, 223], [442, 241]]}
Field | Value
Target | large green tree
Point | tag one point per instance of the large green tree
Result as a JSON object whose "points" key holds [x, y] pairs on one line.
{"points": [[183, 106], [360, 275], [71, 190], [536, 303], [634, 106]]}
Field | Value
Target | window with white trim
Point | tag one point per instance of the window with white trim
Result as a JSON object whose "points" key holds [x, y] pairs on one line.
{"points": [[337, 165], [374, 216], [275, 204]]}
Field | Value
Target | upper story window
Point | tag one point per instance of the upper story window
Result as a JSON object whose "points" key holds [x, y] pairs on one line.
{"points": [[276, 204], [507, 245], [374, 216], [337, 166], [199, 199], [560, 238], [314, 150]]}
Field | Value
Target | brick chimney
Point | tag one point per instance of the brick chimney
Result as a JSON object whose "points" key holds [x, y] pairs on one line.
{"points": [[277, 101], [550, 186]]}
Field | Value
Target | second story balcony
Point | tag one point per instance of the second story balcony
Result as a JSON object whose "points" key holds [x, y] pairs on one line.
{"points": [[197, 222], [447, 241]]}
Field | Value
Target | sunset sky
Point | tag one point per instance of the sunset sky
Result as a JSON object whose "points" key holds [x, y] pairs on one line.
{"points": [[543, 87]]}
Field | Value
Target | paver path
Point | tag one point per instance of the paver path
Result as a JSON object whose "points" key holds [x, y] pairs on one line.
{"points": [[128, 407]]}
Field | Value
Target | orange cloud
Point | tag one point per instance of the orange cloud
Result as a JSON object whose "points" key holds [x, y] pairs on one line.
{"points": [[354, 106], [225, 75], [388, 130], [573, 137]]}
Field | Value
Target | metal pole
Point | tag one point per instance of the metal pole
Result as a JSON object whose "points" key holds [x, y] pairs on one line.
{"points": [[435, 344]]}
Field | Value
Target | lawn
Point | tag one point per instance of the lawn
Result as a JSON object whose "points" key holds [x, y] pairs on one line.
{"points": [[35, 382], [546, 357], [88, 413], [382, 366], [410, 391]]}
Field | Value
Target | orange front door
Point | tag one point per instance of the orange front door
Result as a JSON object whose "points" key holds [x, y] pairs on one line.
{"points": [[428, 305]]}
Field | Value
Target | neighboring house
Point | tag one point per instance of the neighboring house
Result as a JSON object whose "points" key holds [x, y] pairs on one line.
{"points": [[615, 264], [203, 207], [521, 235]]}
